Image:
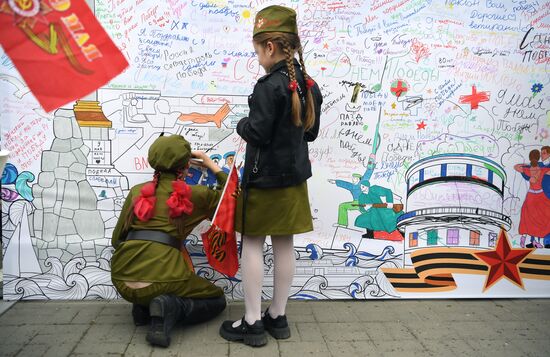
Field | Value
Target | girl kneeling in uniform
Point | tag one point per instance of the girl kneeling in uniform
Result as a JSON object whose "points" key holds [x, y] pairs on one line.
{"points": [[147, 267]]}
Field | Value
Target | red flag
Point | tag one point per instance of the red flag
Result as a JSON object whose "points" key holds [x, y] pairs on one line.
{"points": [[59, 48], [220, 242]]}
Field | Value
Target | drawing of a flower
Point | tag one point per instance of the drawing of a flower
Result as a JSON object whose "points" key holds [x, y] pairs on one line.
{"points": [[536, 88]]}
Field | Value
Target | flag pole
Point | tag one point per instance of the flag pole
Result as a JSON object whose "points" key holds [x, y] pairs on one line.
{"points": [[239, 147]]}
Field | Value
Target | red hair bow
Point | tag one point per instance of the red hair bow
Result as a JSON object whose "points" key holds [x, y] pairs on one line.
{"points": [[293, 85], [179, 201], [144, 206], [310, 83]]}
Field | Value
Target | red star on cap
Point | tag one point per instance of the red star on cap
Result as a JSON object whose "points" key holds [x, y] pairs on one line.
{"points": [[503, 262]]}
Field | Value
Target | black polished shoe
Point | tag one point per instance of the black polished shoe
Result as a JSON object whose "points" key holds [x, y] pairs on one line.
{"points": [[252, 335], [530, 245], [166, 311], [141, 315], [278, 327], [205, 309], [547, 246]]}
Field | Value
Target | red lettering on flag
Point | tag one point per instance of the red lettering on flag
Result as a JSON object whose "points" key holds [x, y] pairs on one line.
{"points": [[220, 242]]}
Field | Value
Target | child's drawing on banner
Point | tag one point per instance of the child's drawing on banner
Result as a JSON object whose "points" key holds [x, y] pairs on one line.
{"points": [[430, 112], [535, 211]]}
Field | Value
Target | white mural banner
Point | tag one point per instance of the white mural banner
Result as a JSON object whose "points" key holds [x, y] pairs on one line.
{"points": [[431, 173]]}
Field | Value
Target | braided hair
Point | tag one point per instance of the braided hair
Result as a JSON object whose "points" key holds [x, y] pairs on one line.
{"points": [[296, 105], [310, 102], [181, 192], [289, 44], [147, 192], [179, 202]]}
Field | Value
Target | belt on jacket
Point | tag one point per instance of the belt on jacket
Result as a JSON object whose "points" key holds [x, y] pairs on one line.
{"points": [[155, 236]]}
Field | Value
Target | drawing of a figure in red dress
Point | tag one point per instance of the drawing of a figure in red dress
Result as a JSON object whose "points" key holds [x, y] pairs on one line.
{"points": [[535, 212]]}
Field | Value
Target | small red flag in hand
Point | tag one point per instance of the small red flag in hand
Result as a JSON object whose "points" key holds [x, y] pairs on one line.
{"points": [[59, 48], [220, 242]]}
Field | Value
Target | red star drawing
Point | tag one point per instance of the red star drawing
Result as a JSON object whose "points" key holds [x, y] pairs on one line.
{"points": [[503, 262], [421, 125], [475, 98]]}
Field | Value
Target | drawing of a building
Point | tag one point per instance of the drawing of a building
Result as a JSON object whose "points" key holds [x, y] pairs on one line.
{"points": [[97, 134], [453, 200]]}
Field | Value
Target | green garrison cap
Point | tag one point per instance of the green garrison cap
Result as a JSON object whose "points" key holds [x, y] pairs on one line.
{"points": [[169, 153], [275, 18]]}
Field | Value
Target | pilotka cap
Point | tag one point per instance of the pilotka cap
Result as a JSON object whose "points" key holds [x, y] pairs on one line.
{"points": [[275, 19], [169, 153]]}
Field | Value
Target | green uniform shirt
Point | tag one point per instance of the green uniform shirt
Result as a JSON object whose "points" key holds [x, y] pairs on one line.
{"points": [[147, 261]]}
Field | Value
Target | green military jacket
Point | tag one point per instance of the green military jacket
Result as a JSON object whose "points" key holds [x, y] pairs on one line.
{"points": [[147, 261]]}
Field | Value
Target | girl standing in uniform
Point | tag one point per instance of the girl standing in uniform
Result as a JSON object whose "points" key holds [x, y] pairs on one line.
{"points": [[284, 116]]}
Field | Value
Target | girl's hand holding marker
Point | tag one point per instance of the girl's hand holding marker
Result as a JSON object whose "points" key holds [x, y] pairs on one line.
{"points": [[200, 159]]}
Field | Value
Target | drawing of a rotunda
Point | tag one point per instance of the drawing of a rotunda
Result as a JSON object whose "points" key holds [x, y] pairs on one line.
{"points": [[453, 200]]}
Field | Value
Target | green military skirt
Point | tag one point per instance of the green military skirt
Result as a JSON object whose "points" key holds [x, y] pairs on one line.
{"points": [[274, 211]]}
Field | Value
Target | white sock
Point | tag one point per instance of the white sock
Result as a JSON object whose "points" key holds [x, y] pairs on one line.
{"points": [[252, 274], [284, 262]]}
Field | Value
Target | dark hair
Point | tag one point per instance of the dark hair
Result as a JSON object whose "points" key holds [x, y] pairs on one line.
{"points": [[534, 156], [290, 44], [132, 215], [178, 222]]}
